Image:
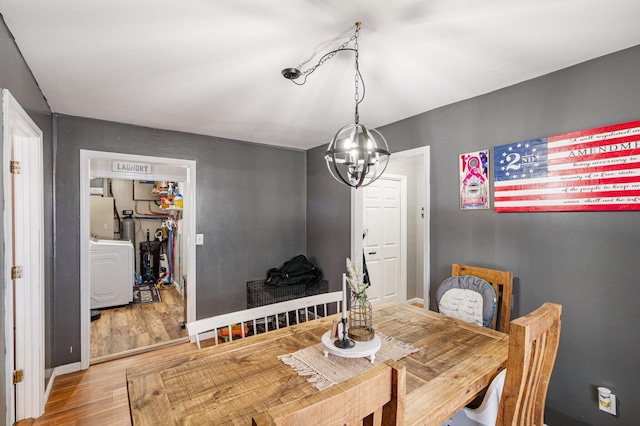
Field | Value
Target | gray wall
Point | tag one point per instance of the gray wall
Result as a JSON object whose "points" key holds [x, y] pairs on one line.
{"points": [[16, 76], [328, 219], [250, 207], [585, 261]]}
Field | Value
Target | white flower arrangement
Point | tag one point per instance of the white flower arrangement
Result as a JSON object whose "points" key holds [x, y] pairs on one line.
{"points": [[360, 312], [355, 280]]}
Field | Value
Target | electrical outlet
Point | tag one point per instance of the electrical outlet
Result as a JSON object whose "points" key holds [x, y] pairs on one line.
{"points": [[606, 401]]}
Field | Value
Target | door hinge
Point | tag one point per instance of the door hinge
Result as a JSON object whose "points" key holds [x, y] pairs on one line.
{"points": [[14, 167], [18, 376], [16, 272]]}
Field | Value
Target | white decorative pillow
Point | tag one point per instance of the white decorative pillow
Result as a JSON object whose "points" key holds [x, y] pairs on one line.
{"points": [[472, 300], [463, 304]]}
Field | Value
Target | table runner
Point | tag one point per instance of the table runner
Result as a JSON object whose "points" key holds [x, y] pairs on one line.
{"points": [[326, 372]]}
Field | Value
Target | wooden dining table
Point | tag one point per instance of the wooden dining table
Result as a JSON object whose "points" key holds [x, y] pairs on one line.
{"points": [[229, 383]]}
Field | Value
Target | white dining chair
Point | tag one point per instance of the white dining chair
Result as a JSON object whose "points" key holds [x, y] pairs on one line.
{"points": [[487, 412]]}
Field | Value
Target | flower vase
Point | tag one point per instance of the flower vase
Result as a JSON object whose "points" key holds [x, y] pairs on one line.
{"points": [[361, 319]]}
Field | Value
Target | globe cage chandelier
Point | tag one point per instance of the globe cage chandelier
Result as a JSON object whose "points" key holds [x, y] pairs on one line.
{"points": [[357, 154]]}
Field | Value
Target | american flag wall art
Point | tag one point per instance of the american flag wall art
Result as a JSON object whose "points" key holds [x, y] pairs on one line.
{"points": [[589, 170]]}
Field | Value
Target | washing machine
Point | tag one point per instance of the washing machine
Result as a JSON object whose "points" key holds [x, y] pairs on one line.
{"points": [[112, 273]]}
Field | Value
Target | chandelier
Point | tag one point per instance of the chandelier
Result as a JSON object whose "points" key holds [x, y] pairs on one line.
{"points": [[357, 154]]}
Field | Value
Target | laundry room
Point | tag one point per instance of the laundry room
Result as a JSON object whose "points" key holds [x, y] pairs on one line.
{"points": [[137, 270]]}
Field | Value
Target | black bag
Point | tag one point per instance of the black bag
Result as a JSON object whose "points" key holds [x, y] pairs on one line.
{"points": [[295, 271]]}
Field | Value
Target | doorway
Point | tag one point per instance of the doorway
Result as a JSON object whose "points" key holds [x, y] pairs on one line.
{"points": [[23, 262], [418, 184], [137, 298], [96, 164]]}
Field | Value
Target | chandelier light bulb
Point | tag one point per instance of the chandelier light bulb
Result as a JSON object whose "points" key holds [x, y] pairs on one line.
{"points": [[361, 161]]}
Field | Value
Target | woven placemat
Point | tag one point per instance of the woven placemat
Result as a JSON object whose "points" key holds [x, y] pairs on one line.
{"points": [[326, 372]]}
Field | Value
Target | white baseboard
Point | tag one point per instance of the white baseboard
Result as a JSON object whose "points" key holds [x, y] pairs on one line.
{"points": [[59, 371], [416, 300], [66, 369]]}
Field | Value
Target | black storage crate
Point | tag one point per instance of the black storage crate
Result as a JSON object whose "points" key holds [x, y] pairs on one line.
{"points": [[259, 293]]}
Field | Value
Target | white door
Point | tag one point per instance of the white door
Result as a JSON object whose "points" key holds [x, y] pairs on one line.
{"points": [[24, 262], [422, 198], [384, 220]]}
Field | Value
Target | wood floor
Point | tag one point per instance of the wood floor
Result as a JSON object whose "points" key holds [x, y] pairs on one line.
{"points": [[125, 329], [98, 396]]}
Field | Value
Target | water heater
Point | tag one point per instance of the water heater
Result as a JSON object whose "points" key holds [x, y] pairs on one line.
{"points": [[128, 231]]}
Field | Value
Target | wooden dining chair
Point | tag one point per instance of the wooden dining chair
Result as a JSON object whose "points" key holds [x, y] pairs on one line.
{"points": [[375, 397], [533, 345], [502, 283]]}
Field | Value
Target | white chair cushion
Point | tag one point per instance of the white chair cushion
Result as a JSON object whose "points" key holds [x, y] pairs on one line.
{"points": [[468, 298], [462, 304]]}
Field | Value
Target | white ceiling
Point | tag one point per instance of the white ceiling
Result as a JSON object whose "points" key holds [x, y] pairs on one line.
{"points": [[212, 67]]}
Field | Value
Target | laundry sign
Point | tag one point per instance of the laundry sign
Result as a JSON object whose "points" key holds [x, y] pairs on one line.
{"points": [[131, 167]]}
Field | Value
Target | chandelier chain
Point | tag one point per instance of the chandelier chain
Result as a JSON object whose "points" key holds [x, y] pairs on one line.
{"points": [[328, 56], [325, 45], [357, 74]]}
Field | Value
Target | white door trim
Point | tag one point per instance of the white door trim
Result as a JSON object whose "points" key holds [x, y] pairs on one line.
{"points": [[357, 206], [189, 230], [30, 313]]}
